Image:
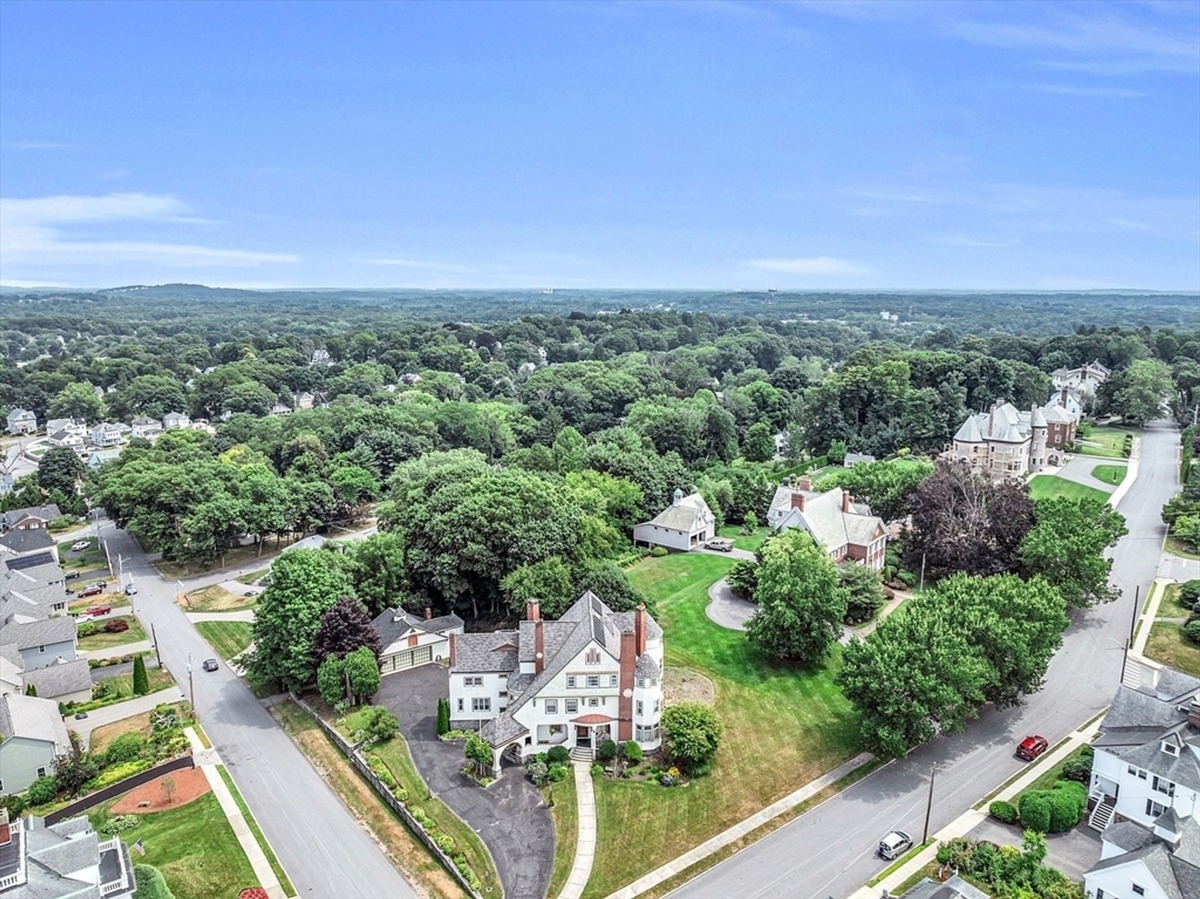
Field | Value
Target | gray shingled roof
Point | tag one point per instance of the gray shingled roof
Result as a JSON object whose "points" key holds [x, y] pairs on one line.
{"points": [[824, 519], [392, 624], [39, 633], [491, 652], [32, 717], [58, 680], [14, 517], [690, 514], [26, 540]]}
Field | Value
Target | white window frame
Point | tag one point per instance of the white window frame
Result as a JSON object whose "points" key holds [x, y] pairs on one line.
{"points": [[612, 680], [570, 682], [551, 706], [593, 702], [481, 703], [639, 707], [593, 681], [572, 706]]}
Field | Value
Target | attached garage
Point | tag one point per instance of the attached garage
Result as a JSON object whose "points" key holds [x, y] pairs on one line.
{"points": [[409, 641], [406, 658]]}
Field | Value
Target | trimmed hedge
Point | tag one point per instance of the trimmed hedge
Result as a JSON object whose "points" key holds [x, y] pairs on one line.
{"points": [[1035, 810], [1004, 812]]}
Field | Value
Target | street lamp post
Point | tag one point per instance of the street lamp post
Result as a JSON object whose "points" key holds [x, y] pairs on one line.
{"points": [[929, 804], [191, 685]]}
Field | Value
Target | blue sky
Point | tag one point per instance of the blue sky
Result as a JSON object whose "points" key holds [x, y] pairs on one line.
{"points": [[657, 145]]}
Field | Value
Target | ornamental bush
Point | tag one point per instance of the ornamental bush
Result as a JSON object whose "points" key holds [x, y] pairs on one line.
{"points": [[1034, 810], [658, 552], [116, 625], [607, 751], [557, 773], [1078, 769], [1068, 799], [443, 716], [42, 790], [632, 752], [1189, 593], [1191, 630], [1004, 812], [125, 748], [558, 755]]}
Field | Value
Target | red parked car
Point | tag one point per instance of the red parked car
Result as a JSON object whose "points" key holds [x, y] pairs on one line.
{"points": [[1032, 747], [99, 610], [92, 590]]}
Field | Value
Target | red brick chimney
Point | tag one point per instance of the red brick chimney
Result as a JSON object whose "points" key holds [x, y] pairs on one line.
{"points": [[806, 483], [798, 501], [846, 500], [639, 628], [428, 614], [625, 697], [533, 610], [539, 647], [453, 655]]}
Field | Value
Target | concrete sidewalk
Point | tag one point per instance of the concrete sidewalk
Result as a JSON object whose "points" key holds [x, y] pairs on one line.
{"points": [[739, 830], [121, 649], [585, 843], [1131, 470], [120, 711], [207, 761]]}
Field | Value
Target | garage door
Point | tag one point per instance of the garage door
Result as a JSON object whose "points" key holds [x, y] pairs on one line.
{"points": [[422, 654]]}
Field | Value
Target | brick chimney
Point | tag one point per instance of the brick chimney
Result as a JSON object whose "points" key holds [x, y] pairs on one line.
{"points": [[798, 501], [847, 499], [806, 483], [453, 654], [533, 610], [428, 614], [539, 647], [639, 628], [1064, 397]]}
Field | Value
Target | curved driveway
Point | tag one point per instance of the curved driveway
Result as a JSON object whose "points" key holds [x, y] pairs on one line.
{"points": [[324, 850], [830, 850]]}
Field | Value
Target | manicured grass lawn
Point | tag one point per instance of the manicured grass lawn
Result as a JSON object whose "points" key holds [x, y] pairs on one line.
{"points": [[228, 638], [565, 813], [401, 846], [92, 557], [812, 730], [395, 755], [193, 846], [123, 684], [1045, 486], [105, 640], [750, 543], [216, 598], [1109, 474], [1048, 778], [1168, 645], [284, 882], [1106, 442], [1168, 606]]}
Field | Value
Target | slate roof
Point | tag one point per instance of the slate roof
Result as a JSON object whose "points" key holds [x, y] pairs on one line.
{"points": [[687, 514], [1058, 415], [491, 652], [501, 729], [26, 540], [32, 717], [60, 679], [1139, 721]]}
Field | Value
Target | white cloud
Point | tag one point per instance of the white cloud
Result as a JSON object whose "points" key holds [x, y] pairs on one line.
{"points": [[1072, 90], [36, 236], [418, 265], [812, 265]]}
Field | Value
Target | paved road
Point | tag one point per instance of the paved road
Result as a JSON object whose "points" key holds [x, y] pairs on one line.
{"points": [[830, 851], [325, 851], [1079, 469]]}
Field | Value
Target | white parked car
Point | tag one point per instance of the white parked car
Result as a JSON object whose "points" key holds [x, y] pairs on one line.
{"points": [[80, 545]]}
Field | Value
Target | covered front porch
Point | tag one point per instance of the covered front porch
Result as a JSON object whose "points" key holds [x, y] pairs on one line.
{"points": [[589, 731]]}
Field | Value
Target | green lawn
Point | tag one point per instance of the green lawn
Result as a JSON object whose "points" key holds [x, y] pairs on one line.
{"points": [[1109, 474], [228, 638], [193, 846], [748, 542], [811, 730], [105, 640], [1168, 606], [565, 813], [288, 889], [92, 557], [1045, 486], [1168, 645], [1106, 442], [1177, 547]]}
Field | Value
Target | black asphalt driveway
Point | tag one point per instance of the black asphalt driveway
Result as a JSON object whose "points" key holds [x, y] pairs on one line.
{"points": [[508, 815]]}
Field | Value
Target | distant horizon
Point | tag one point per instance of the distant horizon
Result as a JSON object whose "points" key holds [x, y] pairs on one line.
{"points": [[542, 290]]}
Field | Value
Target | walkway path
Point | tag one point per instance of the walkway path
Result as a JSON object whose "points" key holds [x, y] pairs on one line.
{"points": [[739, 830], [207, 761], [585, 842], [1078, 470], [119, 711]]}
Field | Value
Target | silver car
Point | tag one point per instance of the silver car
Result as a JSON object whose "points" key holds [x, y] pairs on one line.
{"points": [[895, 844]]}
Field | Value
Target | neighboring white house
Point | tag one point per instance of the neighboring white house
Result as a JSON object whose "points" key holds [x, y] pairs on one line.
{"points": [[1085, 379], [852, 459], [70, 425], [848, 531], [21, 421], [106, 434], [685, 524], [146, 427], [409, 641], [1067, 399], [594, 674], [66, 860], [175, 420], [280, 409], [32, 735], [1146, 784], [321, 357], [63, 437], [304, 400]]}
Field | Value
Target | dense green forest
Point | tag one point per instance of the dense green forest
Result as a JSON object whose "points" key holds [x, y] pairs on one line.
{"points": [[522, 435]]}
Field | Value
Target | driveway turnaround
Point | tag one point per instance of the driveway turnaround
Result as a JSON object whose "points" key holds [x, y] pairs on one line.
{"points": [[508, 816], [725, 609]]}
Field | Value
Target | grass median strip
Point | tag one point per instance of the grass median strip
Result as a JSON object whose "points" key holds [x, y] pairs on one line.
{"points": [[405, 851], [228, 638], [258, 834]]}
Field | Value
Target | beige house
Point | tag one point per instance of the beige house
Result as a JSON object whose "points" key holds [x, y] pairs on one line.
{"points": [[1005, 442]]}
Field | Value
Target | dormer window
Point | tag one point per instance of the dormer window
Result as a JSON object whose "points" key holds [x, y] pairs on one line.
{"points": [[1170, 748]]}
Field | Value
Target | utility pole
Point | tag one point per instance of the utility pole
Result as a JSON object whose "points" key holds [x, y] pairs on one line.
{"points": [[929, 804], [1137, 607], [157, 650], [921, 589], [191, 686], [1124, 661]]}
